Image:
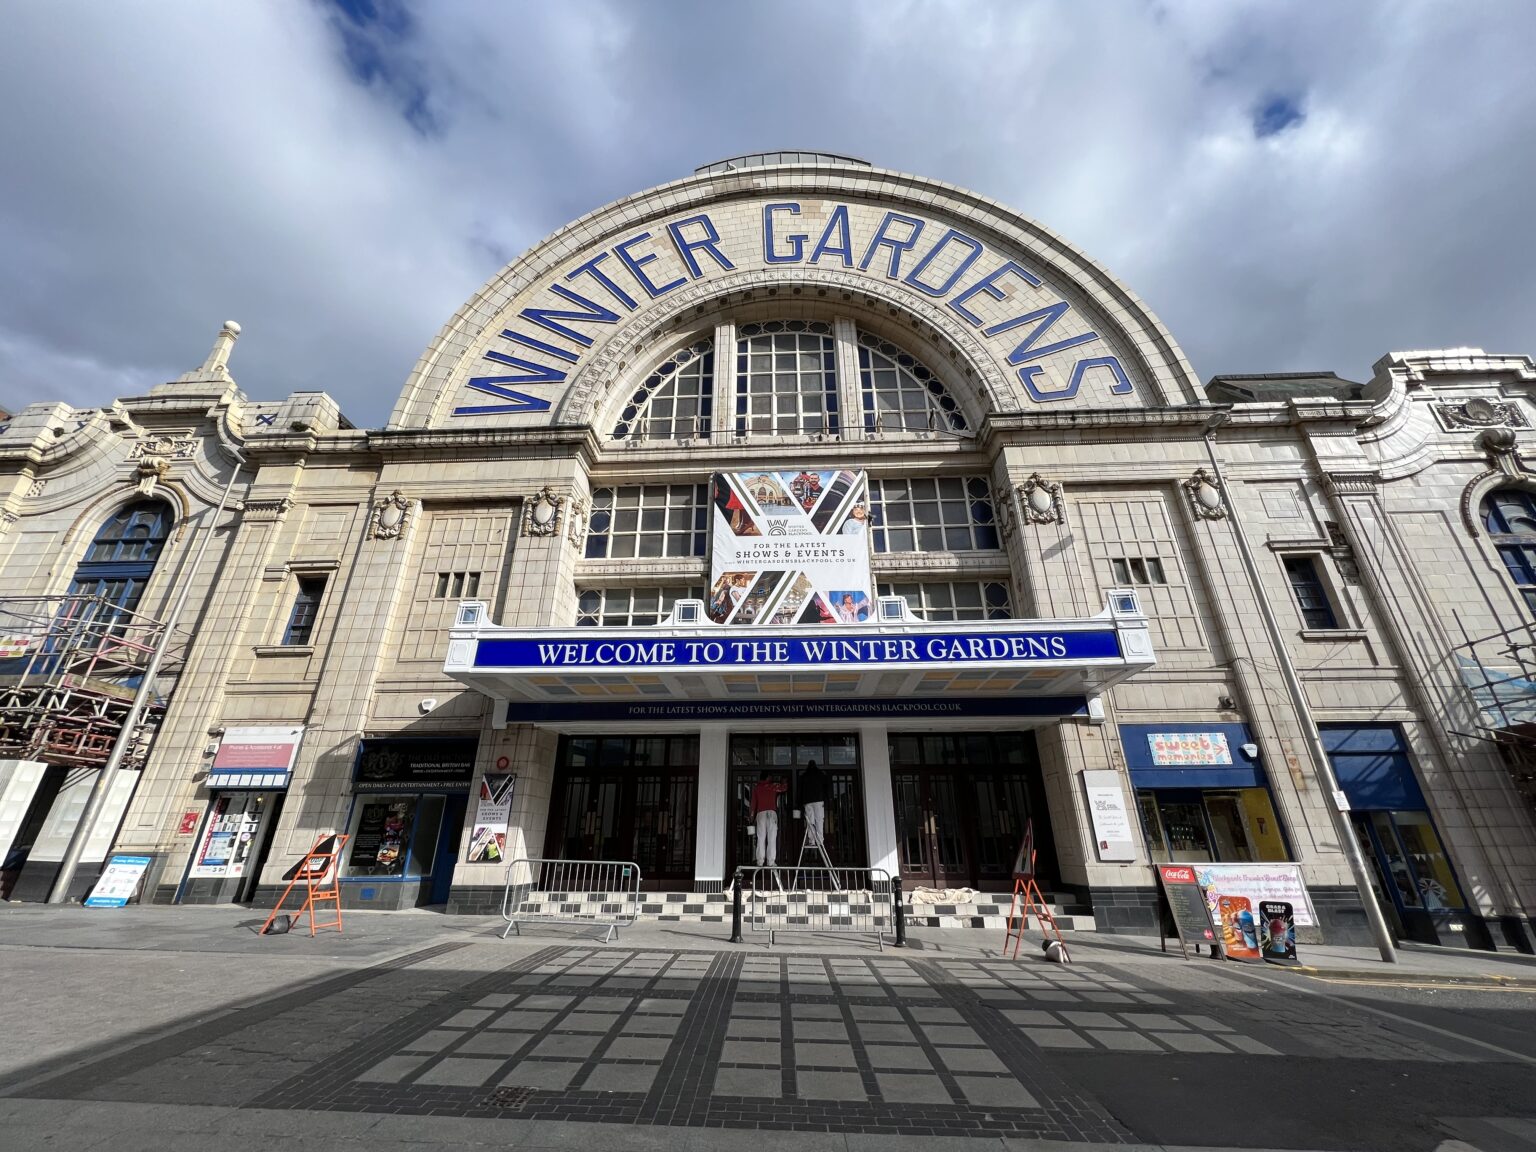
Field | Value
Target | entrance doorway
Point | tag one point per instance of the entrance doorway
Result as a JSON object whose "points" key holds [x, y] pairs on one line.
{"points": [[785, 757], [962, 802], [627, 798]]}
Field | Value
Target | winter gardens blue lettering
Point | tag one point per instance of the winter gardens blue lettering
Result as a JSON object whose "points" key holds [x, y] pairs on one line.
{"points": [[781, 651], [615, 278]]}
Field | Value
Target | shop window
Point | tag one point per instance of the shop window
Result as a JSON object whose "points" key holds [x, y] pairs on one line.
{"points": [[305, 611], [1311, 597], [676, 402], [648, 520], [456, 586], [628, 607], [899, 394], [955, 599], [943, 514], [786, 379], [1509, 515], [1193, 826], [1137, 570]]}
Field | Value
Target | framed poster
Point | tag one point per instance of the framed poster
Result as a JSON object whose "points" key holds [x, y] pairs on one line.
{"points": [[119, 882], [1112, 836], [493, 812]]}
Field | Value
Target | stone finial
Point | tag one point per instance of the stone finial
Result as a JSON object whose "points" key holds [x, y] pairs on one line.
{"points": [[217, 363]]}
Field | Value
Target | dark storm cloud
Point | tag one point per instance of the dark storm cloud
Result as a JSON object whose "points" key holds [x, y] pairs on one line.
{"points": [[1288, 186]]}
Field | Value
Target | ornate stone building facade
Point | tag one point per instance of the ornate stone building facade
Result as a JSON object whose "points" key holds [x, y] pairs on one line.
{"points": [[1035, 444]]}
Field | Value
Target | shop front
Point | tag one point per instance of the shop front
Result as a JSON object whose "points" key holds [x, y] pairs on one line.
{"points": [[248, 783], [406, 821], [1414, 877], [1202, 794]]}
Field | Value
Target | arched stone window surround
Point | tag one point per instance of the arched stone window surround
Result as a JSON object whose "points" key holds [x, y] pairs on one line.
{"points": [[848, 315], [899, 393], [123, 552], [1508, 518], [683, 383]]}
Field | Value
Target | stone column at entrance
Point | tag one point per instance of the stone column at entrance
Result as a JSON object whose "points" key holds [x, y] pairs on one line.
{"points": [[710, 821], [879, 801]]}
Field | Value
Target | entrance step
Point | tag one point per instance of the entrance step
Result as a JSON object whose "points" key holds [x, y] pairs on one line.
{"points": [[984, 911]]}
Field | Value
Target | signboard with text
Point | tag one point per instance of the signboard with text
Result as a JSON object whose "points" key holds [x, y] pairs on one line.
{"points": [[1256, 883], [1112, 835], [1186, 906], [119, 882], [790, 547], [493, 812], [1188, 748]]}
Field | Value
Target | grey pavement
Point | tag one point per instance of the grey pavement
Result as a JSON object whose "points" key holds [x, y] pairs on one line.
{"points": [[165, 1027]]}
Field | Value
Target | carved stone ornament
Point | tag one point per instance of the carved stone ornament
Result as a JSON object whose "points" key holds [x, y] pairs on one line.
{"points": [[1003, 515], [1479, 412], [151, 471], [7, 519], [1204, 494], [257, 510], [35, 489], [1041, 500], [542, 514], [169, 447], [576, 521], [390, 516]]}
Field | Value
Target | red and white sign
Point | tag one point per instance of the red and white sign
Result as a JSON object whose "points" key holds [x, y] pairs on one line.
{"points": [[188, 823], [255, 758]]}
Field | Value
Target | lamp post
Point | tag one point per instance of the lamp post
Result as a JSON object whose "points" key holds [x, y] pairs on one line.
{"points": [[103, 786], [1322, 770]]}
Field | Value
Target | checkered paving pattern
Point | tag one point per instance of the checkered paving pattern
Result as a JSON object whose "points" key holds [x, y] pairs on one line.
{"points": [[844, 1044]]}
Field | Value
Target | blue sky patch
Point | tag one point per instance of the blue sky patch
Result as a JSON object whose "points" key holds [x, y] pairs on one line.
{"points": [[1275, 114]]}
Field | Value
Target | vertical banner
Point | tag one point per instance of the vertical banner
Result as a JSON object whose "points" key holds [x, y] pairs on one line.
{"points": [[493, 812], [1239, 930], [790, 548]]}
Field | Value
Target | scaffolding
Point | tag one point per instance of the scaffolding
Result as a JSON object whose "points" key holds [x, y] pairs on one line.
{"points": [[1499, 674], [69, 669]]}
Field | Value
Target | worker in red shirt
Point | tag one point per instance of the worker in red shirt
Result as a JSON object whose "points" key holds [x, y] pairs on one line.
{"points": [[765, 815]]}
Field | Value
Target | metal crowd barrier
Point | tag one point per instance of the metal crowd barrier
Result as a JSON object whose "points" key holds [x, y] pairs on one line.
{"points": [[598, 892], [856, 901]]}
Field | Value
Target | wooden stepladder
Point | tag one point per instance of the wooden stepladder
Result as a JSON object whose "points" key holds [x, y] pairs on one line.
{"points": [[316, 874], [1027, 897]]}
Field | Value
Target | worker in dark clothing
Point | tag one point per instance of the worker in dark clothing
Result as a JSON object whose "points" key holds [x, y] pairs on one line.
{"points": [[813, 802]]}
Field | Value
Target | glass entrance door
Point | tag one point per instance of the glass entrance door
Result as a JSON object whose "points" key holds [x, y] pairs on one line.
{"points": [[962, 804], [627, 798], [785, 757]]}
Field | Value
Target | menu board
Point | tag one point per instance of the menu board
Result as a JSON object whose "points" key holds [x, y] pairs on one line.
{"points": [[1186, 902]]}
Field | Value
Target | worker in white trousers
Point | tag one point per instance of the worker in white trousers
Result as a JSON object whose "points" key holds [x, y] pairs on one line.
{"points": [[765, 815]]}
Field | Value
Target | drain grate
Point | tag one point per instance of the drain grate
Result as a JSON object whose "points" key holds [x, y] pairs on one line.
{"points": [[511, 1098]]}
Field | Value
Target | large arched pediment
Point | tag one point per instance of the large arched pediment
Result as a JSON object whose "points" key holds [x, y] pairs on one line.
{"points": [[1038, 324]]}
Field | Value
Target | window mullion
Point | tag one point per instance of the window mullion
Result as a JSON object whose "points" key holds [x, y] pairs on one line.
{"points": [[850, 421], [722, 429]]}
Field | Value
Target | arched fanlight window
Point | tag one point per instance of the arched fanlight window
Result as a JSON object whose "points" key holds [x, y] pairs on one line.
{"points": [[786, 379], [1509, 515], [900, 394], [676, 402], [121, 557]]}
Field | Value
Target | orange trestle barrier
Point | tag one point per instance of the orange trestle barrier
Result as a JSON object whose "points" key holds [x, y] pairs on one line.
{"points": [[312, 872]]}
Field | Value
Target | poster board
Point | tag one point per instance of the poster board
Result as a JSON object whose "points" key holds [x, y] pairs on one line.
{"points": [[493, 813], [1256, 883], [1277, 932], [1024, 862], [1112, 836], [1186, 902], [119, 882], [790, 547]]}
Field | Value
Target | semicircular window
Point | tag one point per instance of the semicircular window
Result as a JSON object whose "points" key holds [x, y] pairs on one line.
{"points": [[676, 401], [900, 393]]}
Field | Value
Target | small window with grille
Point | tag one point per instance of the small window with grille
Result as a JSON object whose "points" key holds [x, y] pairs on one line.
{"points": [[456, 586], [626, 607], [1137, 570]]}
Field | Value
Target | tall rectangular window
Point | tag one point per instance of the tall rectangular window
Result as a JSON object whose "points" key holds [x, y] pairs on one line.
{"points": [[1311, 596], [306, 607]]}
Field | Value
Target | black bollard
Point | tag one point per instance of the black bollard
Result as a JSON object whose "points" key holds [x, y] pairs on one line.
{"points": [[736, 908], [898, 912]]}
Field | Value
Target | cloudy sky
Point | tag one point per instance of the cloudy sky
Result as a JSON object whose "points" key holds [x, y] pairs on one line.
{"points": [[1288, 185]]}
